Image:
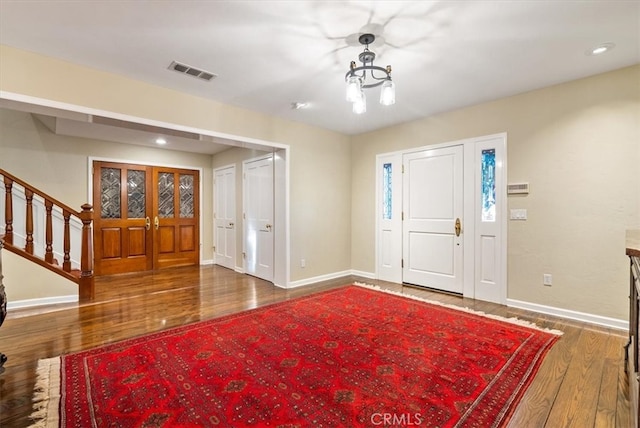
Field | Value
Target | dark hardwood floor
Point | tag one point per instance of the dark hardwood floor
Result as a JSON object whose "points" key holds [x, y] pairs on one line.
{"points": [[582, 382]]}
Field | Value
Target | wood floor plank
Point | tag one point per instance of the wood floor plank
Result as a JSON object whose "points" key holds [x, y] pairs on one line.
{"points": [[624, 418], [581, 384], [608, 396], [538, 401], [576, 384]]}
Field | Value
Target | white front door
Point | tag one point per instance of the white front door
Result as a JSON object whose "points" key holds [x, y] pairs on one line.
{"points": [[258, 217], [432, 206], [224, 212]]}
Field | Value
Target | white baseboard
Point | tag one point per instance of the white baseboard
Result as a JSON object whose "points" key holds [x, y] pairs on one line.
{"points": [[368, 275], [313, 280], [572, 315], [238, 269], [30, 303]]}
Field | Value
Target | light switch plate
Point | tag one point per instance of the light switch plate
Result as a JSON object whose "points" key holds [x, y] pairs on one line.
{"points": [[518, 214]]}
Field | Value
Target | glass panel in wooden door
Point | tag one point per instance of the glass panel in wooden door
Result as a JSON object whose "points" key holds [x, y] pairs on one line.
{"points": [[176, 217], [122, 229]]}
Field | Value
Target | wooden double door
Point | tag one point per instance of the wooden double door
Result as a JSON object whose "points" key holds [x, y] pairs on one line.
{"points": [[146, 217]]}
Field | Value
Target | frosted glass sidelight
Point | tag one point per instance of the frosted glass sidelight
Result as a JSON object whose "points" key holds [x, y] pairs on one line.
{"points": [[386, 192], [489, 185], [110, 193]]}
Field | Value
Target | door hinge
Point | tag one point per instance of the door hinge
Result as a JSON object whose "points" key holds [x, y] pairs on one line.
{"points": [[403, 168], [402, 263], [244, 255], [402, 216], [244, 216], [214, 248]]}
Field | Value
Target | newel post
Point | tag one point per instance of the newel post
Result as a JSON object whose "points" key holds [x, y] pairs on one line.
{"points": [[87, 287]]}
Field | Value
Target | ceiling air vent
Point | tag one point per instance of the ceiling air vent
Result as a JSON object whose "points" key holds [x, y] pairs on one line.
{"points": [[518, 189], [192, 71]]}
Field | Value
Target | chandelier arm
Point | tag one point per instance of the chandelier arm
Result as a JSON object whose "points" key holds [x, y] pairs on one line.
{"points": [[371, 68], [386, 76]]}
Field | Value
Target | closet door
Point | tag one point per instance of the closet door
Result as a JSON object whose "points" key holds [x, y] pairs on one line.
{"points": [[258, 217], [224, 210]]}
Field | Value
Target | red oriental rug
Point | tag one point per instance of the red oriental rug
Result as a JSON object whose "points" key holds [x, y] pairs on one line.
{"points": [[350, 357]]}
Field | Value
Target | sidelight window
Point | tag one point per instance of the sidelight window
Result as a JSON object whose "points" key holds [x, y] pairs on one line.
{"points": [[489, 185], [386, 192]]}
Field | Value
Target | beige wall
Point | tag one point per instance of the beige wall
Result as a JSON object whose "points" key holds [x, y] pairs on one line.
{"points": [[578, 146], [41, 284]]}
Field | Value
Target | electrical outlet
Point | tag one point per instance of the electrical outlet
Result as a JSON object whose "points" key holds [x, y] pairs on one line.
{"points": [[547, 279], [303, 263]]}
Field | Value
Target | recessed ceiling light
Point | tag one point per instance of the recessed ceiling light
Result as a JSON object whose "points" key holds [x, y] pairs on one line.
{"points": [[600, 49], [161, 141]]}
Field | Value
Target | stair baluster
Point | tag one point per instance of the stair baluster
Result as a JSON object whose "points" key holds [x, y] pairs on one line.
{"points": [[84, 277]]}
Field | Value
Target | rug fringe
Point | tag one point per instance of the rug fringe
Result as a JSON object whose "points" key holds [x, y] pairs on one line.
{"points": [[513, 320], [46, 396]]}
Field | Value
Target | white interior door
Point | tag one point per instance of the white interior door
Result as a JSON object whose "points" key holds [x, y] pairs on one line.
{"points": [[432, 205], [258, 217], [224, 211]]}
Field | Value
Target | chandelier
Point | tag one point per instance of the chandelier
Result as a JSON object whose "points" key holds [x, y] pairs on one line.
{"points": [[357, 82]]}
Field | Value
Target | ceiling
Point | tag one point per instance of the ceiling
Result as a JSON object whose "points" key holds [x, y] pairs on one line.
{"points": [[269, 54]]}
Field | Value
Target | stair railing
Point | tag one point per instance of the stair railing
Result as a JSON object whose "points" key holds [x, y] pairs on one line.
{"points": [[84, 277]]}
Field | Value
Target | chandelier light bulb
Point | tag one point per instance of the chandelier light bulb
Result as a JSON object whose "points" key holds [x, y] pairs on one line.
{"points": [[354, 88], [388, 93], [360, 105]]}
